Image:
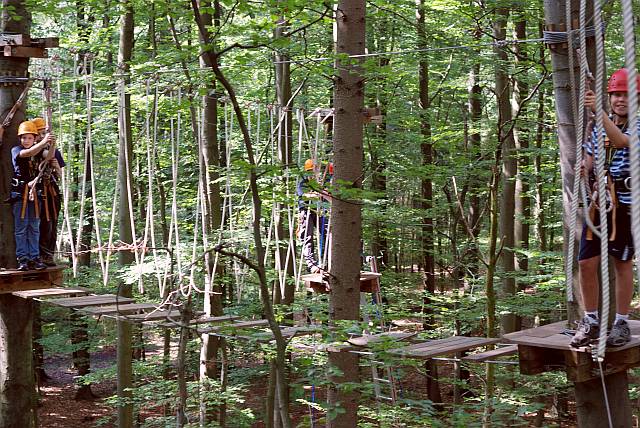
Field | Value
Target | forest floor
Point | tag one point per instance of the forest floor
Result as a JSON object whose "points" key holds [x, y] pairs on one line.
{"points": [[59, 409]]}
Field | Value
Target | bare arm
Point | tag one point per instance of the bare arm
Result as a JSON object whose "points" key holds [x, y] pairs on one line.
{"points": [[33, 150], [616, 136]]}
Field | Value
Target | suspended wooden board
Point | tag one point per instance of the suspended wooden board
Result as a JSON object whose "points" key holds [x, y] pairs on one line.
{"points": [[371, 339], [127, 308], [83, 302], [159, 315], [491, 355], [12, 280], [234, 326], [210, 320], [317, 283], [51, 292], [439, 347], [546, 348]]}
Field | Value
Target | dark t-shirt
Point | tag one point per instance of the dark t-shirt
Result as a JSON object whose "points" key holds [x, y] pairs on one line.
{"points": [[24, 169]]}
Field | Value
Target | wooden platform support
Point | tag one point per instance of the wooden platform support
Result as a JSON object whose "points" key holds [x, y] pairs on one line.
{"points": [[316, 283], [546, 348], [12, 280]]}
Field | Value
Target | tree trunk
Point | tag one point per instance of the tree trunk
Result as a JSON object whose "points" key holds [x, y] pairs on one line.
{"points": [[213, 304], [125, 182], [347, 216], [521, 138], [509, 165], [555, 15], [17, 388], [426, 201]]}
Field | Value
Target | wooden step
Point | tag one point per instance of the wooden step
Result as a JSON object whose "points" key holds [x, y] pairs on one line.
{"points": [[490, 355]]}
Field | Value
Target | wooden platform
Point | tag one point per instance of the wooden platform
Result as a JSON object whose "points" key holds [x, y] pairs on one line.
{"points": [[315, 282], [52, 292], [440, 347], [15, 280], [545, 349]]}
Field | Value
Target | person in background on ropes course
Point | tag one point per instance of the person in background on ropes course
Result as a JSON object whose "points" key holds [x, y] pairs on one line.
{"points": [[52, 199], [26, 202], [312, 208], [617, 166]]}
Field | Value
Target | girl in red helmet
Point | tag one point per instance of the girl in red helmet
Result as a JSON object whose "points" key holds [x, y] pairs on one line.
{"points": [[616, 135]]}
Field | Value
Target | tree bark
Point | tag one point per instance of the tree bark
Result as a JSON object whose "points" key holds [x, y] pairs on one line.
{"points": [[213, 302], [521, 138], [346, 212], [17, 387], [125, 182], [509, 165], [426, 201], [555, 15]]}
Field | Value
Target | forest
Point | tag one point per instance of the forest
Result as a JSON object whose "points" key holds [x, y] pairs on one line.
{"points": [[309, 213]]}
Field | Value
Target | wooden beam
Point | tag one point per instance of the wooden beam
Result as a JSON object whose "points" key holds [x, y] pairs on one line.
{"points": [[45, 42], [14, 39], [25, 52]]}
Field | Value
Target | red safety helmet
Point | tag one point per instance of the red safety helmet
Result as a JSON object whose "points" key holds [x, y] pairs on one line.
{"points": [[618, 82]]}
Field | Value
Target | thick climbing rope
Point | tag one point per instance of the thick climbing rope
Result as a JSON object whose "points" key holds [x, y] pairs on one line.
{"points": [[602, 183], [634, 150], [578, 113]]}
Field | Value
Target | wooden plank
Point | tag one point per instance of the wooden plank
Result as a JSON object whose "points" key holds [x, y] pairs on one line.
{"points": [[160, 315], [80, 302], [542, 331], [213, 320], [25, 52], [370, 339], [234, 326], [489, 355], [427, 352], [114, 309], [208, 320], [316, 283], [51, 292], [435, 343], [14, 39], [45, 42]]}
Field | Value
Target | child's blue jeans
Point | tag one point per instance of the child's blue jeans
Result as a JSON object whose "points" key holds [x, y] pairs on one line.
{"points": [[27, 231]]}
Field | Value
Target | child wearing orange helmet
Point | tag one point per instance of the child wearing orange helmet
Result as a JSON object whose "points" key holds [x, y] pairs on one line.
{"points": [[26, 158], [617, 165]]}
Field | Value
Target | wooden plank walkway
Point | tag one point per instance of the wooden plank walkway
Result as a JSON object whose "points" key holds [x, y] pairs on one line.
{"points": [[439, 347], [127, 308], [98, 300], [51, 292]]}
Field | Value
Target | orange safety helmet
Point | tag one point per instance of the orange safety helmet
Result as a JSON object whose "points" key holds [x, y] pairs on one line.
{"points": [[308, 165], [39, 123], [618, 82], [27, 127]]}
